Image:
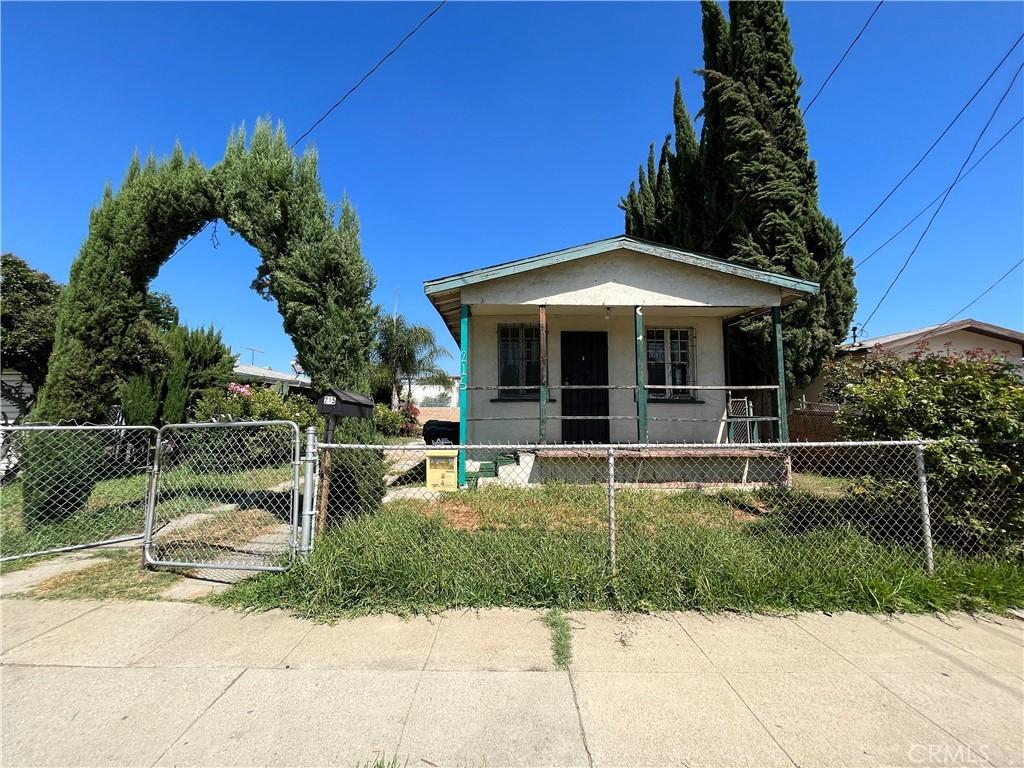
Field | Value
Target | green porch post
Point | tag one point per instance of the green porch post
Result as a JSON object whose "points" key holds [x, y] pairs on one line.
{"points": [[542, 400], [463, 391], [780, 365], [641, 378]]}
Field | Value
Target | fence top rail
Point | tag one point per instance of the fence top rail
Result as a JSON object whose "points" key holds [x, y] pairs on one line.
{"points": [[76, 427], [230, 424], [620, 446]]}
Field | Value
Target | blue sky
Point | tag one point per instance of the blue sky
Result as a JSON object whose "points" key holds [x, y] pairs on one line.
{"points": [[501, 131]]}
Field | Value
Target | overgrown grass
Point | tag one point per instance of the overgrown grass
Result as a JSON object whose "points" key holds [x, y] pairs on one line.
{"points": [[117, 575], [561, 637], [116, 507], [547, 547]]}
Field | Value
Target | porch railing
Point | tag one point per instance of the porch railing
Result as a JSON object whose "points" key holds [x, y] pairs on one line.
{"points": [[739, 414]]}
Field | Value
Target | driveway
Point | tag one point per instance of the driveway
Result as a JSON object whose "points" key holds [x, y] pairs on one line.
{"points": [[160, 683]]}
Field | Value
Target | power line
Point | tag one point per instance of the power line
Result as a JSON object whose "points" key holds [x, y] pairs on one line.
{"points": [[945, 196], [339, 102], [920, 213], [965, 307], [928, 151], [746, 193], [843, 57], [373, 69]]}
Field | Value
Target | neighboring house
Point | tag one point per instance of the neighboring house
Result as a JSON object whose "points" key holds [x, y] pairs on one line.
{"points": [[961, 336], [9, 411], [429, 395], [617, 341], [281, 381]]}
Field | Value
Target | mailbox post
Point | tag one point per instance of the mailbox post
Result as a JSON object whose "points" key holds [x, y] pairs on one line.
{"points": [[335, 404]]}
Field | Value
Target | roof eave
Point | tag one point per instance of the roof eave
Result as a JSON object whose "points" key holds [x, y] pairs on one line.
{"points": [[463, 279]]}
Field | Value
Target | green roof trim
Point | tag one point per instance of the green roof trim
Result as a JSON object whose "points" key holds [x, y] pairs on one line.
{"points": [[519, 266]]}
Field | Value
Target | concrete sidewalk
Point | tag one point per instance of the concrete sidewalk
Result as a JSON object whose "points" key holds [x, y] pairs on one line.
{"points": [[177, 684]]}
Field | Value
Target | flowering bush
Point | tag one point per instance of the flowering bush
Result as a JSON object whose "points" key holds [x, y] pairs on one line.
{"points": [[244, 390], [410, 420]]}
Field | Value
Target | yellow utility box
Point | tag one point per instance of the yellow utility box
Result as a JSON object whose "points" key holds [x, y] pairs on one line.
{"points": [[443, 470]]}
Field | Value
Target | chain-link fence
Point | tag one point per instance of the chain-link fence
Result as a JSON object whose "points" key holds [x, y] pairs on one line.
{"points": [[65, 488], [656, 519], [225, 496]]}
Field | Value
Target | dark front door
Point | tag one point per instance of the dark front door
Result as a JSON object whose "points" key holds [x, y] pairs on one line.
{"points": [[584, 362]]}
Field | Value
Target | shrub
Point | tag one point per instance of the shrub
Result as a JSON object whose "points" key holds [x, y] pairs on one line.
{"points": [[387, 422], [410, 420], [243, 402], [972, 405], [60, 471], [229, 449]]}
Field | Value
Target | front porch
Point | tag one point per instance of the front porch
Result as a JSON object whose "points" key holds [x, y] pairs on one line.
{"points": [[608, 374], [615, 342]]}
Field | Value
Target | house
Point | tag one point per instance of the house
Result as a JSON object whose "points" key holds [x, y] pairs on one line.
{"points": [[615, 341], [958, 337], [281, 381], [429, 394], [10, 411]]}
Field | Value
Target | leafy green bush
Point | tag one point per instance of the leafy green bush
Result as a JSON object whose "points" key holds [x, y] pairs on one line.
{"points": [[60, 471], [242, 402], [972, 405], [387, 422], [356, 479], [228, 450]]}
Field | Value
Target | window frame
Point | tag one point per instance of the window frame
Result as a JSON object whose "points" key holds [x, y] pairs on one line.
{"points": [[672, 395], [519, 395]]}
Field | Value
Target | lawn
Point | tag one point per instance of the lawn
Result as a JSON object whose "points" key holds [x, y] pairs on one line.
{"points": [[116, 506], [811, 548]]}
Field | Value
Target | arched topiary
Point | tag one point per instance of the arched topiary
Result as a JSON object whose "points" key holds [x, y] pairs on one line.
{"points": [[311, 267]]}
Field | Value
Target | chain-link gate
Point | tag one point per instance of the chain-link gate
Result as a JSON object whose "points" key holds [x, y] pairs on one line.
{"points": [[224, 496], [64, 488]]}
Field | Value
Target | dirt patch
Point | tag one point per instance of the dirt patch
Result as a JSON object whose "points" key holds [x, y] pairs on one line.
{"points": [[442, 414], [461, 516]]}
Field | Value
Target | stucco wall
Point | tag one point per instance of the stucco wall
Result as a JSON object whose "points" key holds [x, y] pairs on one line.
{"points": [[483, 372], [623, 278], [962, 341]]}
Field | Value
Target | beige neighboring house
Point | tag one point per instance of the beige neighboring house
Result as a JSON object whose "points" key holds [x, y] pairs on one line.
{"points": [[958, 337], [283, 382]]}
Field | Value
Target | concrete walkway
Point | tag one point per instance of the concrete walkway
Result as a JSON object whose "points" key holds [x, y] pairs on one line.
{"points": [[177, 684]]}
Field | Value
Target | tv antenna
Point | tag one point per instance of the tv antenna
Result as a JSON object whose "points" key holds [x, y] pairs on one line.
{"points": [[252, 354]]}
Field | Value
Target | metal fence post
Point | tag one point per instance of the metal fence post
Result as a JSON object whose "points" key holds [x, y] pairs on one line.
{"points": [[611, 508], [308, 487], [926, 516]]}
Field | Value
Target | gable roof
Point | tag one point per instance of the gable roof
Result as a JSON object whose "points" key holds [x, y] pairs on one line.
{"points": [[906, 338], [519, 266]]}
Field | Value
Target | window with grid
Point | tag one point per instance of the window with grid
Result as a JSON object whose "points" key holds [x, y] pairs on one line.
{"points": [[670, 361], [519, 361]]}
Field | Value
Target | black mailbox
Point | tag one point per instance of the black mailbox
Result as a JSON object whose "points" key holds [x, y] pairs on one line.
{"points": [[340, 402]]}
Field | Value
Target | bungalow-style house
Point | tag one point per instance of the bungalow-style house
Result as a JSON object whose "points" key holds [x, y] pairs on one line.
{"points": [[616, 341]]}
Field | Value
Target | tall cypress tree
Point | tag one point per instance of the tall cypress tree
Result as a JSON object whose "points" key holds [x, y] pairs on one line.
{"points": [[686, 221], [753, 194]]}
